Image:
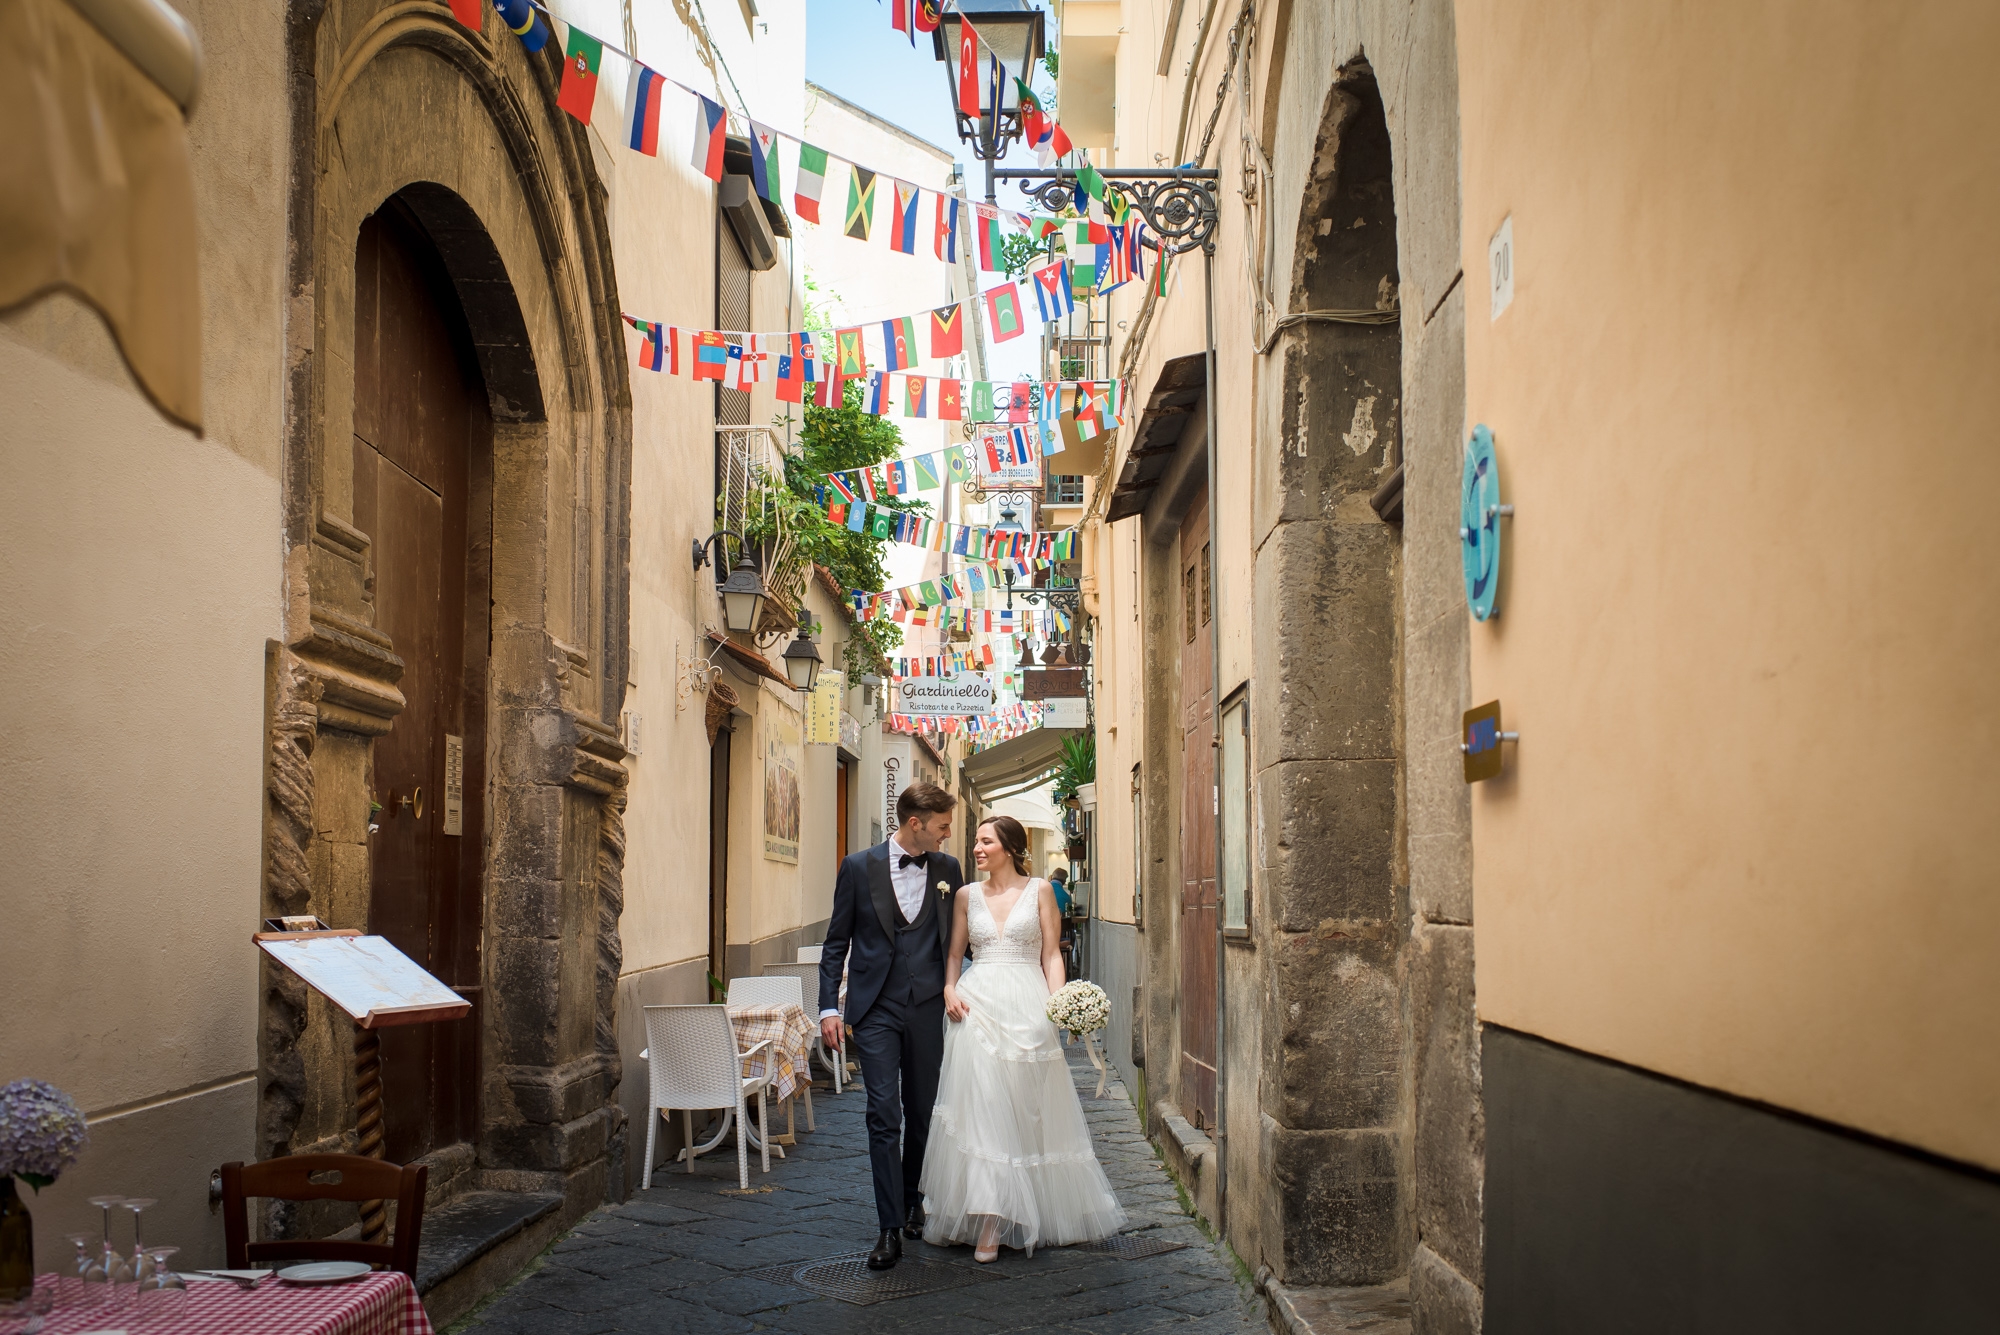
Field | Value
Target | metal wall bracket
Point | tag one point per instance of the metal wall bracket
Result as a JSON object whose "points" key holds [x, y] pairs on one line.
{"points": [[1178, 203]]}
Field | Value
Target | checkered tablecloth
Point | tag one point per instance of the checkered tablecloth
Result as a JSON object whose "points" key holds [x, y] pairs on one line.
{"points": [[384, 1303], [791, 1035]]}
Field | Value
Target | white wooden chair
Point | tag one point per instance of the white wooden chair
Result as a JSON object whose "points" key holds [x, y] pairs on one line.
{"points": [[808, 976], [783, 990], [810, 954], [692, 1062]]}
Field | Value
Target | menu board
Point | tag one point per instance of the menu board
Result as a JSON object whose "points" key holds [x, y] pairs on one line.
{"points": [[375, 983]]}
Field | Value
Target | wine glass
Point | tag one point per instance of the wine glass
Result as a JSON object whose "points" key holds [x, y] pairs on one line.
{"points": [[163, 1295], [116, 1271], [142, 1264], [81, 1282]]}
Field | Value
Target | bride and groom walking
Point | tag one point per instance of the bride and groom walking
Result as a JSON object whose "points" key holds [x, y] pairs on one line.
{"points": [[970, 1055]]}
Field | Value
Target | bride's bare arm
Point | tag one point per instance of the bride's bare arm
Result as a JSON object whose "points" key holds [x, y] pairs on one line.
{"points": [[954, 957], [1052, 961]]}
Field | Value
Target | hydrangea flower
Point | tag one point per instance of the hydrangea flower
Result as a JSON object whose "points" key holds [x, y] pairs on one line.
{"points": [[41, 1132]]}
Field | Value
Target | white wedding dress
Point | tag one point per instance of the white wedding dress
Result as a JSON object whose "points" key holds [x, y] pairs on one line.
{"points": [[1008, 1137]]}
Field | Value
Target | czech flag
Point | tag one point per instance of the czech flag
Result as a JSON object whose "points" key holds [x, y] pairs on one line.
{"points": [[711, 128]]}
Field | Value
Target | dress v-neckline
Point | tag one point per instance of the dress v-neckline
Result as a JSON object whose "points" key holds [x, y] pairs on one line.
{"points": [[1001, 923]]}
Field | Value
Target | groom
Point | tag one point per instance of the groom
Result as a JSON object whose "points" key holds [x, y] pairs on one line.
{"points": [[892, 915]]}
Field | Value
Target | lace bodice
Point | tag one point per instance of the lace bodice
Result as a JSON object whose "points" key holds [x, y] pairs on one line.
{"points": [[1016, 941]]}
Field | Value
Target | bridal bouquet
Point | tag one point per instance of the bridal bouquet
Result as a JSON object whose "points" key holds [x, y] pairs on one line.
{"points": [[1079, 1007]]}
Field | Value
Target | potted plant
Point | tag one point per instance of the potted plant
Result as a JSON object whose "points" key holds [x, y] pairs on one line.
{"points": [[41, 1132]]}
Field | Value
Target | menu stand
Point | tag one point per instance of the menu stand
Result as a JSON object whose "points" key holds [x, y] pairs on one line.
{"points": [[377, 986]]}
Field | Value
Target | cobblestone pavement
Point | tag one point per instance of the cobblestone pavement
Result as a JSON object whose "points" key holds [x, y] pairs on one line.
{"points": [[679, 1257]]}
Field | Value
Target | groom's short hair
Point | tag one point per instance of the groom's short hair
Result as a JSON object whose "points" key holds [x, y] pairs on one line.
{"points": [[922, 799]]}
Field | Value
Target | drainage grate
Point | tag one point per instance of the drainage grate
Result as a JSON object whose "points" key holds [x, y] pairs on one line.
{"points": [[1131, 1246], [849, 1279]]}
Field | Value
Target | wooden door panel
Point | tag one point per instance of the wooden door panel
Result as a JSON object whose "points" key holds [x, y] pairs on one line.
{"points": [[1198, 907], [718, 854], [422, 447]]}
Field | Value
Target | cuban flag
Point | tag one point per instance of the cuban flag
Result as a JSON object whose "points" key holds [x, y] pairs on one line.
{"points": [[1052, 291], [642, 111]]}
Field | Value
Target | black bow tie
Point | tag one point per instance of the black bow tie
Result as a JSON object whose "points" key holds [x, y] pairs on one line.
{"points": [[921, 859]]}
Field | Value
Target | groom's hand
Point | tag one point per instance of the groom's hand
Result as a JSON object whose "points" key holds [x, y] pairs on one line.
{"points": [[829, 1032]]}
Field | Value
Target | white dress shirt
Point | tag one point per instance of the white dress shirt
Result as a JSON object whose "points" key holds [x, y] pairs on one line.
{"points": [[910, 883]]}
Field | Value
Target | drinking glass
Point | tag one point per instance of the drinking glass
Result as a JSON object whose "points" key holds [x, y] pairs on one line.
{"points": [[142, 1264], [81, 1282], [26, 1313], [163, 1295], [112, 1271]]}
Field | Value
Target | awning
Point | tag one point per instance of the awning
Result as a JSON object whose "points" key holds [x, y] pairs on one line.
{"points": [[1017, 764], [1176, 394]]}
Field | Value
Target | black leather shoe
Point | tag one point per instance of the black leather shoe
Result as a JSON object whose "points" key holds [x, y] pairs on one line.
{"points": [[913, 1223], [888, 1251]]}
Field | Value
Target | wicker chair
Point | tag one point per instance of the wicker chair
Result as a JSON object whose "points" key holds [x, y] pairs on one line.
{"points": [[692, 1062], [344, 1177], [808, 976]]}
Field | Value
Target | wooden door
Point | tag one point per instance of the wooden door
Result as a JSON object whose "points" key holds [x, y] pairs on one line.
{"points": [[423, 442], [1197, 925], [718, 855], [840, 816]]}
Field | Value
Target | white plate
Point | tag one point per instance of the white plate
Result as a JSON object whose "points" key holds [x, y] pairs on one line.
{"points": [[324, 1272]]}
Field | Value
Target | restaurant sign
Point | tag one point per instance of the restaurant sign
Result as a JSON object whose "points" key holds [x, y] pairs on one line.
{"points": [[966, 693]]}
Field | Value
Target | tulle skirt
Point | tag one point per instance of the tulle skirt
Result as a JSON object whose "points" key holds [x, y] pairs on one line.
{"points": [[1008, 1137]]}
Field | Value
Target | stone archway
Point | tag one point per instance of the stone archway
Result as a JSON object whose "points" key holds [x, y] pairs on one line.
{"points": [[460, 128]]}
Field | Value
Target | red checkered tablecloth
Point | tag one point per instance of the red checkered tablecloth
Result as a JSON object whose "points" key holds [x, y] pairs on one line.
{"points": [[791, 1035], [384, 1303]]}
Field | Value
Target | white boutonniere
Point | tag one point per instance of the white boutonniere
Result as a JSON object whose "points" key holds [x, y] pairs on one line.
{"points": [[944, 888]]}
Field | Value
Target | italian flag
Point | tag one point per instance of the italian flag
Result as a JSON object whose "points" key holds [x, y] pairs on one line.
{"points": [[812, 182]]}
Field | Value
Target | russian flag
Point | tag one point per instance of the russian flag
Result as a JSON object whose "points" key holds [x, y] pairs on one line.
{"points": [[642, 111]]}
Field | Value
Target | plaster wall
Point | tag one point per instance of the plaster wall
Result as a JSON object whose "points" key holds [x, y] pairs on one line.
{"points": [[1747, 603], [139, 578]]}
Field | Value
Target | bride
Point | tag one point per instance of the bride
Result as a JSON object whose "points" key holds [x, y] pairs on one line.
{"points": [[1009, 1160]]}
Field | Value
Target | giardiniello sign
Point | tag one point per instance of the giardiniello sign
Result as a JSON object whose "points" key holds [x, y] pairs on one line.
{"points": [[967, 694]]}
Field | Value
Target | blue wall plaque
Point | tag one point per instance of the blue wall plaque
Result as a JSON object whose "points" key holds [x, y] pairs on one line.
{"points": [[1479, 514]]}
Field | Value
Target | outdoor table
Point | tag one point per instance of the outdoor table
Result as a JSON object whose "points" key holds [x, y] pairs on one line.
{"points": [[791, 1035], [384, 1303]]}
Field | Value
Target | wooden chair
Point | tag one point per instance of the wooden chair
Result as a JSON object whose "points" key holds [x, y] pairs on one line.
{"points": [[345, 1177]]}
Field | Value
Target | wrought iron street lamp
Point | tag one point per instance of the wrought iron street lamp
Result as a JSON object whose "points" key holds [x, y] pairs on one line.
{"points": [[802, 656], [743, 592], [1010, 30]]}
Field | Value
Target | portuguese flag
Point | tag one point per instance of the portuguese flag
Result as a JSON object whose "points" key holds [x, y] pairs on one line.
{"points": [[584, 56]]}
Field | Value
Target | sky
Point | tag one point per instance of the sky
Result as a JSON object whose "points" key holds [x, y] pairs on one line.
{"points": [[852, 50]]}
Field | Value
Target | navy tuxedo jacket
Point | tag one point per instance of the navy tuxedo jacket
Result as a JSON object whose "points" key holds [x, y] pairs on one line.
{"points": [[862, 932]]}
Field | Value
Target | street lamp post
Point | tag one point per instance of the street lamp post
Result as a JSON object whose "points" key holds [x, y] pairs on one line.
{"points": [[1010, 30]]}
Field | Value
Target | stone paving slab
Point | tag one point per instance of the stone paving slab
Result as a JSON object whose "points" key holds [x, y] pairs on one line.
{"points": [[675, 1257]]}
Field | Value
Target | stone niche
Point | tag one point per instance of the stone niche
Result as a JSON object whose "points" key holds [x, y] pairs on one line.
{"points": [[396, 105]]}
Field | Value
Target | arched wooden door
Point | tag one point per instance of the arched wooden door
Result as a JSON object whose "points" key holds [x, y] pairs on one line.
{"points": [[423, 448]]}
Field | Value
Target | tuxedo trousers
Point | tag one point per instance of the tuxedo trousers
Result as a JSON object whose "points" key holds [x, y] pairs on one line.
{"points": [[900, 1045]]}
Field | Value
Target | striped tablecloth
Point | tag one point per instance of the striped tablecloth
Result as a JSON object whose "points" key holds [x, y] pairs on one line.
{"points": [[791, 1035], [384, 1303]]}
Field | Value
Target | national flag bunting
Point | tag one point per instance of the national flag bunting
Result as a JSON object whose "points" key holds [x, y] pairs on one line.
{"points": [[1052, 294], [944, 235], [525, 22], [947, 401], [711, 129], [877, 390], [853, 361], [968, 70], [764, 163], [860, 203], [643, 95], [899, 343], [812, 182], [711, 355], [991, 242], [915, 401], [903, 217], [583, 56], [469, 12], [924, 15], [948, 331], [1003, 309]]}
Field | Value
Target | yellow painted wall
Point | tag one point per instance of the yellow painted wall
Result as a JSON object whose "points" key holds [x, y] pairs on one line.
{"points": [[1743, 400]]}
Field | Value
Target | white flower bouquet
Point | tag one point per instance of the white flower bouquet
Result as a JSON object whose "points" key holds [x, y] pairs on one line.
{"points": [[1080, 1007]]}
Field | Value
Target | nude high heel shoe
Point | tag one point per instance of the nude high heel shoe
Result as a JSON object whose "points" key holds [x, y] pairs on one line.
{"points": [[988, 1250]]}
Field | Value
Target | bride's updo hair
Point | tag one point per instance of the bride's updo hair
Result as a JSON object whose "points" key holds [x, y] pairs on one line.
{"points": [[1012, 838]]}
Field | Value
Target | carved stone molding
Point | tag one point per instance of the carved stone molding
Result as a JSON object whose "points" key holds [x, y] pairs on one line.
{"points": [[599, 763], [358, 671]]}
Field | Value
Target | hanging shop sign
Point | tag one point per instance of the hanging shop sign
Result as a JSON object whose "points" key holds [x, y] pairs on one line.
{"points": [[1480, 511], [1479, 738], [966, 693], [1066, 711]]}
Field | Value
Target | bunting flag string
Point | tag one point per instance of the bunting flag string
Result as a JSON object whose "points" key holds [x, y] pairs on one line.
{"points": [[912, 529], [1008, 722]]}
